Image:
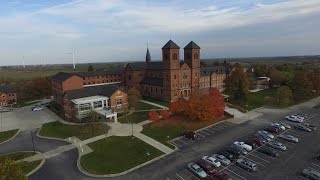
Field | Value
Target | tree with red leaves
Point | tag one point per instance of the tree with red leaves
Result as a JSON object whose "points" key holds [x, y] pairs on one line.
{"points": [[165, 114], [153, 116]]}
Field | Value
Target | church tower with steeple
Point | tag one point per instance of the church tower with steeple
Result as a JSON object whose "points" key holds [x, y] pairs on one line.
{"points": [[148, 56]]}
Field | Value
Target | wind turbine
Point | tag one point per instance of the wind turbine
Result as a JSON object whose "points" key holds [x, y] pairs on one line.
{"points": [[73, 61], [24, 65]]}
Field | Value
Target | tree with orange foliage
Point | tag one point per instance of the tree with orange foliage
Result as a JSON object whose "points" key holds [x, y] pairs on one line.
{"points": [[175, 107], [165, 114], [153, 116]]}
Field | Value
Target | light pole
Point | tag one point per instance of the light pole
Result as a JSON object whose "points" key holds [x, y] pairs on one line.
{"points": [[73, 61]]}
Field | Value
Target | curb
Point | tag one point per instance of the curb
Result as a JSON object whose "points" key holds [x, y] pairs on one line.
{"points": [[11, 137], [117, 174]]}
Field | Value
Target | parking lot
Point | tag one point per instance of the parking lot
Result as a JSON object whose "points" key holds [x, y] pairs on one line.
{"points": [[182, 142], [288, 165]]}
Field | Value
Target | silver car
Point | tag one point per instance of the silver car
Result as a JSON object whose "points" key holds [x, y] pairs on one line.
{"points": [[311, 174], [289, 138], [197, 170], [223, 160], [267, 134], [277, 145], [247, 165]]}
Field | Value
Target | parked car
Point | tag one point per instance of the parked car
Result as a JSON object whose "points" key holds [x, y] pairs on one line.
{"points": [[287, 126], [301, 115], [268, 151], [289, 138], [212, 161], [37, 108], [190, 135], [294, 119], [318, 157], [302, 128], [311, 174], [277, 145], [246, 164], [267, 134], [197, 170], [258, 141], [220, 176], [277, 125], [273, 130], [312, 127], [239, 149], [243, 146], [222, 159], [227, 154], [207, 167], [252, 143], [263, 137]]}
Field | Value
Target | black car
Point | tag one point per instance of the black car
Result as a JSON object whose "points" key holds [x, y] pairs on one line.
{"points": [[252, 143], [227, 154], [190, 135], [302, 128], [268, 151], [312, 127], [238, 148]]}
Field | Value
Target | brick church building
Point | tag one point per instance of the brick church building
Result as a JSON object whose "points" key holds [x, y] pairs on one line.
{"points": [[169, 79]]}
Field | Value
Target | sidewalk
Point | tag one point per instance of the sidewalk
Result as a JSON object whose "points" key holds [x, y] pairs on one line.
{"points": [[154, 143], [154, 104]]}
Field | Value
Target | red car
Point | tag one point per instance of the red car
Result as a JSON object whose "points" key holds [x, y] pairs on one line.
{"points": [[218, 176], [272, 130], [207, 167], [190, 135], [258, 141]]}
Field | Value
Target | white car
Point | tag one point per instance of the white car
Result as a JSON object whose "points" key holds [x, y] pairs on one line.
{"points": [[243, 145], [294, 118], [277, 125], [212, 161], [197, 170], [37, 108]]}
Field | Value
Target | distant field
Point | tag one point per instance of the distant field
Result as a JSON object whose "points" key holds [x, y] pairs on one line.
{"points": [[32, 72]]}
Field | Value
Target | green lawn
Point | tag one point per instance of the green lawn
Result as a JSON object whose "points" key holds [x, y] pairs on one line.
{"points": [[117, 154], [135, 117], [27, 166], [58, 130], [175, 126], [145, 106], [157, 101], [255, 99], [7, 135]]}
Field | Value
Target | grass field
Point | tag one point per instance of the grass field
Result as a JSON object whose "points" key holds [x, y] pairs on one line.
{"points": [[145, 106], [135, 117], [157, 101], [175, 126], [27, 166], [7, 135], [58, 130], [117, 154], [255, 99]]}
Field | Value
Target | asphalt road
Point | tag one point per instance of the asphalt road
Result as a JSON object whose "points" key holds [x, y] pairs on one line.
{"points": [[63, 166]]}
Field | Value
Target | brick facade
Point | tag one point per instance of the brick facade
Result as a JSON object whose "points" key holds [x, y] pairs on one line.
{"points": [[7, 95]]}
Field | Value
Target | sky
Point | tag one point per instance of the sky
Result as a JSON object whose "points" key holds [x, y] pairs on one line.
{"points": [[48, 32]]}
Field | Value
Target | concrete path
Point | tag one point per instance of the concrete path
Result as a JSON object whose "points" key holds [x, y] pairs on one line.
{"points": [[235, 112], [154, 104], [144, 122], [154, 143]]}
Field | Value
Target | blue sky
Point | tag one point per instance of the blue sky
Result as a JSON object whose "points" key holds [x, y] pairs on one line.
{"points": [[119, 30]]}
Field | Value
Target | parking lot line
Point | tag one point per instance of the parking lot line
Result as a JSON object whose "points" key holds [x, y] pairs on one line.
{"points": [[316, 165], [299, 132], [175, 144], [313, 169], [265, 155], [200, 134], [260, 158], [254, 162], [204, 132], [296, 134], [219, 127], [179, 176], [216, 129], [180, 140], [209, 131], [236, 174]]}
